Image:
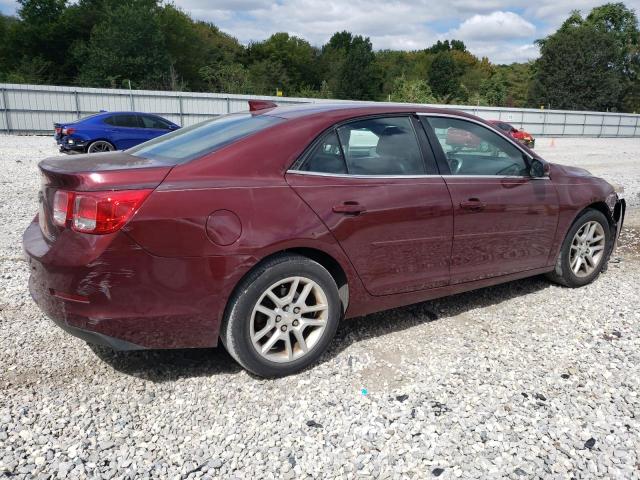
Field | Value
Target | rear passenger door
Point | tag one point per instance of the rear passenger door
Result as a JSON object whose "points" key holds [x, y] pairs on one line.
{"points": [[154, 126], [125, 130], [374, 184]]}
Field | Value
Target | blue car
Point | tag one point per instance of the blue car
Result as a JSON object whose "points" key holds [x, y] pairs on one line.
{"points": [[106, 131]]}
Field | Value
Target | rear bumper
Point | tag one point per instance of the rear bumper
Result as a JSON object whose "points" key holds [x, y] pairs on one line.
{"points": [[128, 299], [76, 145]]}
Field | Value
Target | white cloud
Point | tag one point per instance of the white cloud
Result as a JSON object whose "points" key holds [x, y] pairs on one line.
{"points": [[503, 30], [494, 26]]}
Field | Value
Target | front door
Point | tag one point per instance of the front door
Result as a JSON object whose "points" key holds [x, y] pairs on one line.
{"points": [[505, 220], [374, 185]]}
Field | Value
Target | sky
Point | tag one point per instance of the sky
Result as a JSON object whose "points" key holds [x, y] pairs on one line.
{"points": [[502, 30]]}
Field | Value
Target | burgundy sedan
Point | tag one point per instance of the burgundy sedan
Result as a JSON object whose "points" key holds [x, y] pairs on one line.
{"points": [[264, 229]]}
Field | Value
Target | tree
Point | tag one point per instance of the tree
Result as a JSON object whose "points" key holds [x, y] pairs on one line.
{"points": [[127, 45], [575, 71], [227, 78], [621, 24], [289, 54], [412, 91], [494, 91], [350, 68], [444, 76]]}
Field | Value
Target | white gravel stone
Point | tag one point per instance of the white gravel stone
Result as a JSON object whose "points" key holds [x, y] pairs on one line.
{"points": [[523, 380]]}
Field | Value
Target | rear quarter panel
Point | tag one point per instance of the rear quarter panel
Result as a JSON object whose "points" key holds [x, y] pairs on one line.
{"points": [[247, 179]]}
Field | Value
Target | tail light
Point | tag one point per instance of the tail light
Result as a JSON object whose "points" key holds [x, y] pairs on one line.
{"points": [[62, 203], [96, 212], [68, 131]]}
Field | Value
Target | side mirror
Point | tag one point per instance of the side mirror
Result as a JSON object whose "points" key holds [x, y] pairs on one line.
{"points": [[537, 169]]}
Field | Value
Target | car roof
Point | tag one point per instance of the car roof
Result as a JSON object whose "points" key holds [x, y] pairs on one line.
{"points": [[353, 109], [127, 113]]}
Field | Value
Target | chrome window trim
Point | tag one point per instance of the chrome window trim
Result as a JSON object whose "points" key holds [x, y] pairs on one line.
{"points": [[424, 114], [346, 175], [472, 120]]}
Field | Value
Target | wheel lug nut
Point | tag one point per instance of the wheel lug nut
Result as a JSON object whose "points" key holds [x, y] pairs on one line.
{"points": [[286, 308], [278, 318], [295, 323], [296, 310], [283, 328]]}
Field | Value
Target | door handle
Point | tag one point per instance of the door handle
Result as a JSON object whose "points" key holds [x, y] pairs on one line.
{"points": [[473, 204], [349, 208]]}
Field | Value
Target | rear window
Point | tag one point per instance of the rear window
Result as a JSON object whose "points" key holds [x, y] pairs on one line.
{"points": [[205, 137]]}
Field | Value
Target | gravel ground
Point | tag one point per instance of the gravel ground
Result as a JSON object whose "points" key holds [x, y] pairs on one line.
{"points": [[523, 380]]}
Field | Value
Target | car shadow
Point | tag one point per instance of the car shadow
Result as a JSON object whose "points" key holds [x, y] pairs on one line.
{"points": [[170, 365], [395, 320]]}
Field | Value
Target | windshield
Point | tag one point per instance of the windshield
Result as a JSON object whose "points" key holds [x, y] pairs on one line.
{"points": [[205, 137]]}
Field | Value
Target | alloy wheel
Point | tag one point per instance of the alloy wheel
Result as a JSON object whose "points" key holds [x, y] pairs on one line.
{"points": [[100, 146], [289, 319], [587, 249]]}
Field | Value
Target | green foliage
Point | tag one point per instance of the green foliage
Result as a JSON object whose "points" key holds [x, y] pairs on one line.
{"points": [[517, 78], [349, 66], [115, 52], [283, 62], [592, 61], [447, 46], [412, 91], [575, 72], [444, 76], [226, 78], [493, 90]]}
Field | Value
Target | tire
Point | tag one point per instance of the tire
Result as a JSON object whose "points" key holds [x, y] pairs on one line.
{"points": [[100, 146], [254, 321], [564, 272]]}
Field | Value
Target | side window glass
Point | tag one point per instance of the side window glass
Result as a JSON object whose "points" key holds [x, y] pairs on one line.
{"points": [[130, 121], [110, 120], [381, 146], [153, 122], [326, 157], [472, 149]]}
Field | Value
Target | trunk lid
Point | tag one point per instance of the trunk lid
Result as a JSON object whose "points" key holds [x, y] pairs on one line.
{"points": [[93, 172]]}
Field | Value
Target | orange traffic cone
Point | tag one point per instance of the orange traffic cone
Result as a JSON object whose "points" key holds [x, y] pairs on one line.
{"points": [[553, 142]]}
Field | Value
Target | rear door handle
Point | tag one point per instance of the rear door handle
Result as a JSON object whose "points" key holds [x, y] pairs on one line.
{"points": [[349, 208], [473, 204]]}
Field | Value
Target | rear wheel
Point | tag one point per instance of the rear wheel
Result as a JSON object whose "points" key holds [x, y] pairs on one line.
{"points": [[585, 250], [100, 146], [282, 317]]}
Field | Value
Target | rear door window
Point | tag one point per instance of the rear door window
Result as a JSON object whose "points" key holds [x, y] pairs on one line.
{"points": [[326, 157], [149, 121], [126, 120], [197, 140], [381, 146]]}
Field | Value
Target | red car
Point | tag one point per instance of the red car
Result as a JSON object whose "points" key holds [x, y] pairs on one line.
{"points": [[264, 229], [520, 135]]}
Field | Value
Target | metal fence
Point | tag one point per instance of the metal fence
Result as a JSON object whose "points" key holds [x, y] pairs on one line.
{"points": [[32, 109]]}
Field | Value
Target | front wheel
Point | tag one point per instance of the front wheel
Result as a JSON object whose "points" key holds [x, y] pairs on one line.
{"points": [[585, 250], [282, 317]]}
